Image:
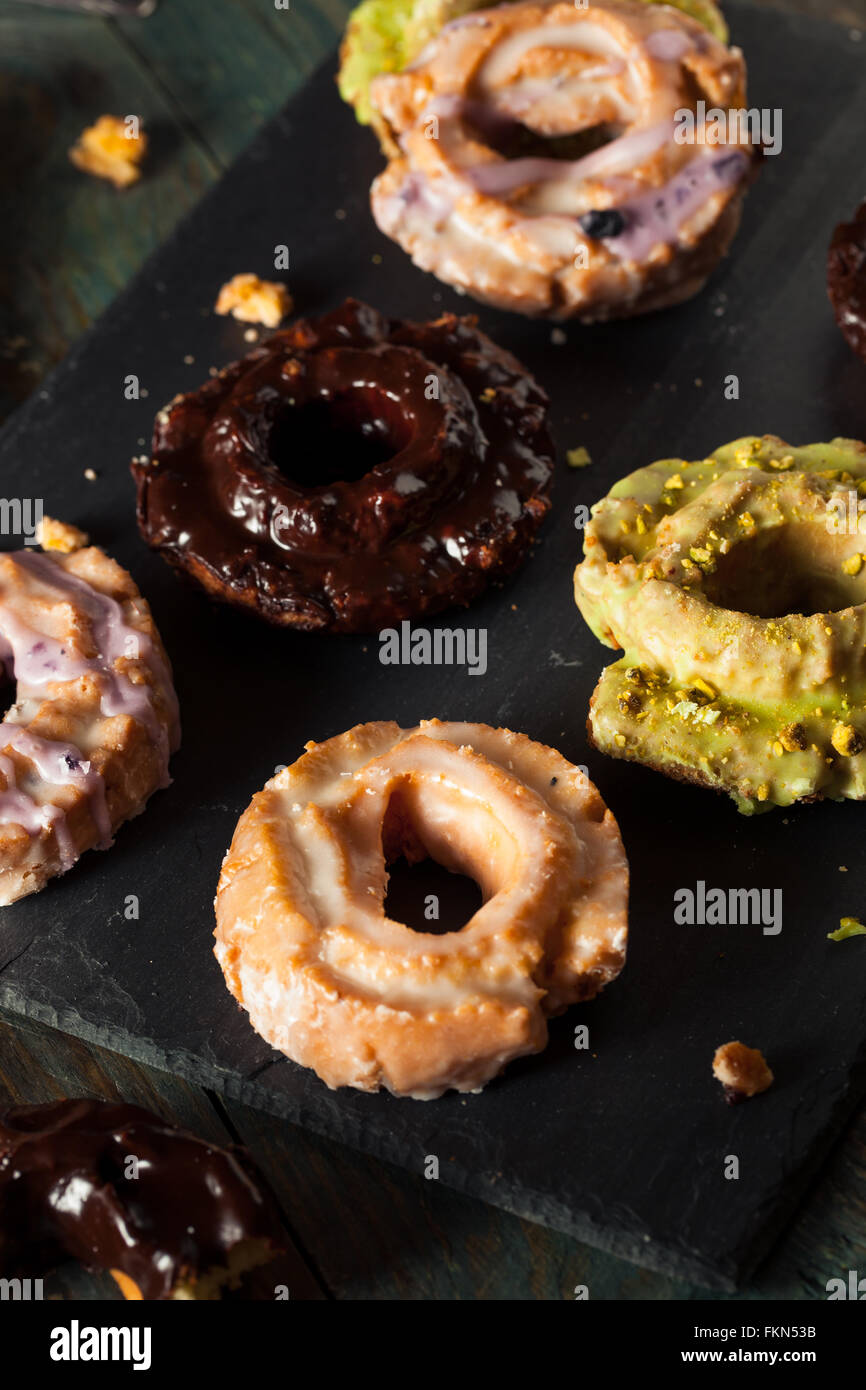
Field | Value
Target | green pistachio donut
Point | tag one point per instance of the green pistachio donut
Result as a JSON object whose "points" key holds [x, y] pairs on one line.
{"points": [[736, 587], [386, 35]]}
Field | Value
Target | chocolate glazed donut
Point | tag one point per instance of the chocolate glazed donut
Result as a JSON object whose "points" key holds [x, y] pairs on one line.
{"points": [[846, 279], [185, 1220], [351, 472]]}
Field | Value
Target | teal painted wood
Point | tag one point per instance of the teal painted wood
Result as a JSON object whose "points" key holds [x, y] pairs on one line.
{"points": [[68, 242]]}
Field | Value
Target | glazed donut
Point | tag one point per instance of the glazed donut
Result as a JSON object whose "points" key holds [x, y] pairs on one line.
{"points": [[535, 159], [326, 977], [386, 35], [188, 1221], [736, 586], [846, 279], [94, 719], [352, 472]]}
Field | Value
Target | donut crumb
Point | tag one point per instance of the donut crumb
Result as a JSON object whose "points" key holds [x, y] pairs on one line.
{"points": [[742, 1071], [252, 300], [110, 150], [60, 535]]}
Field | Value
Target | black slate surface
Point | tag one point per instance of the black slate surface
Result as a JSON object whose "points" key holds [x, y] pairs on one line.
{"points": [[624, 1146]]}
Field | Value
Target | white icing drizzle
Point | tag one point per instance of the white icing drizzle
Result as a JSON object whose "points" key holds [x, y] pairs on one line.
{"points": [[35, 660]]}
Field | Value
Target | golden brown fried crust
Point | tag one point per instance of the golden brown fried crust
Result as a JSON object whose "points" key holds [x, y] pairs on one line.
{"points": [[306, 947]]}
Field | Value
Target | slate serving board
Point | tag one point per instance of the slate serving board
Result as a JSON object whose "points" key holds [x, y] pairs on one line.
{"points": [[623, 1145]]}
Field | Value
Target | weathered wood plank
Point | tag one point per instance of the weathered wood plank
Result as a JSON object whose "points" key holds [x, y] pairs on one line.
{"points": [[380, 1232], [226, 71], [39, 1064], [69, 242]]}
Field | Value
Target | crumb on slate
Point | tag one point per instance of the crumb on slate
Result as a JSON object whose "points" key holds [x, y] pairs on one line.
{"points": [[742, 1071], [252, 300]]}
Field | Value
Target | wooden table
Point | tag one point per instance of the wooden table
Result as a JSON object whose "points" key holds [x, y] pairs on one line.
{"points": [[206, 78]]}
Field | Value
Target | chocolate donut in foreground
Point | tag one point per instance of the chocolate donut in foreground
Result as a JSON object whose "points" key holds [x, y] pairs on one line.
{"points": [[563, 160], [846, 279], [351, 472], [117, 1188]]}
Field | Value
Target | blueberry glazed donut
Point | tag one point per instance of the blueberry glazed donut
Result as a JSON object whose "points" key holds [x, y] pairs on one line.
{"points": [[94, 718], [736, 587], [352, 472], [536, 161], [326, 977]]}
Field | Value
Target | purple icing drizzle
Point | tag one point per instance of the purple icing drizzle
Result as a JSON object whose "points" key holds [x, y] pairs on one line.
{"points": [[657, 216], [35, 660], [668, 45]]}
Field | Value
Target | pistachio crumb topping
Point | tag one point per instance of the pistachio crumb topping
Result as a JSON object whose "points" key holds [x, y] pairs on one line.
{"points": [[630, 703], [749, 718], [706, 689], [793, 738], [848, 926], [847, 740]]}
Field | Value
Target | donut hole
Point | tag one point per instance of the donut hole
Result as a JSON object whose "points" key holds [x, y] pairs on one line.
{"points": [[433, 883], [795, 568], [427, 897], [7, 690], [340, 438], [514, 140]]}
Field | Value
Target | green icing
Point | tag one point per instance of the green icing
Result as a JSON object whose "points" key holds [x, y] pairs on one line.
{"points": [[848, 926], [770, 709], [385, 35]]}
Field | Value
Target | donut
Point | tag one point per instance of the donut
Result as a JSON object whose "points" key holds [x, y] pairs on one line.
{"points": [[846, 279], [94, 716], [736, 588], [328, 979], [386, 35], [541, 157], [352, 472], [117, 1188]]}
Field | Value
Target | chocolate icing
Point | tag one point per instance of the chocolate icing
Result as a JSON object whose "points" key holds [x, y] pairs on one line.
{"points": [[846, 279], [318, 483], [64, 1194]]}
